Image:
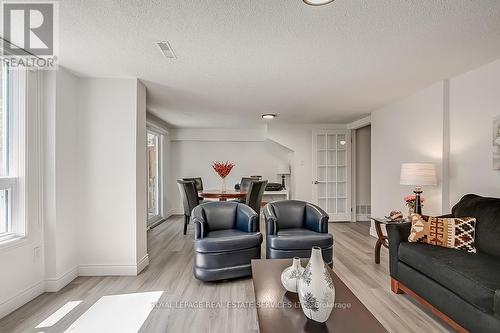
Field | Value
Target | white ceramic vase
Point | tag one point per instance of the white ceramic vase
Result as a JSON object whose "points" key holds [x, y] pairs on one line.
{"points": [[316, 290], [291, 275]]}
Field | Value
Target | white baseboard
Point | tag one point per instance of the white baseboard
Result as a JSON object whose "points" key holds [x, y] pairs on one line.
{"points": [[362, 217], [143, 263], [56, 284], [176, 212], [22, 298]]}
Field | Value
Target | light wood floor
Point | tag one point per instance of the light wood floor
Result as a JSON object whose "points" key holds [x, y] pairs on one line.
{"points": [[170, 270]]}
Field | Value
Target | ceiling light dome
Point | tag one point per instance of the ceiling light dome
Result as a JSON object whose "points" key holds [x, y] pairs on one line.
{"points": [[269, 116], [317, 2]]}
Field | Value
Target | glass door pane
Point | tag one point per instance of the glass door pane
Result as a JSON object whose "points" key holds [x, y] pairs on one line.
{"points": [[332, 173], [153, 142]]}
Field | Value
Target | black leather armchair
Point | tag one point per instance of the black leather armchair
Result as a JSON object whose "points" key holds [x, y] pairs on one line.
{"points": [[226, 240], [294, 227]]}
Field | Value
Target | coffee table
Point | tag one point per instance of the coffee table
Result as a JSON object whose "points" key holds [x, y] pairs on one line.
{"points": [[279, 310]]}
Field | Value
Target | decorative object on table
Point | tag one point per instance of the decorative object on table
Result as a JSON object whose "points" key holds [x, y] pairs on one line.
{"points": [[496, 143], [418, 174], [316, 289], [223, 169], [284, 171], [396, 216], [456, 233], [291, 275], [411, 203]]}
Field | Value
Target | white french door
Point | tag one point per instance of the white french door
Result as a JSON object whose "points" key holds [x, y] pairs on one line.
{"points": [[332, 172]]}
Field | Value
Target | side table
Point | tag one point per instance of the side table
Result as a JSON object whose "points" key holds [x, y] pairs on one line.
{"points": [[382, 239]]}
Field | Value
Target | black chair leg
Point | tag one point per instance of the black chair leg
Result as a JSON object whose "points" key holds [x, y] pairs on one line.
{"points": [[186, 220]]}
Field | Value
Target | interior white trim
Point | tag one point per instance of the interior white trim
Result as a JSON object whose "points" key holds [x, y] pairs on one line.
{"points": [[360, 123], [56, 284], [143, 263], [22, 298], [108, 270]]}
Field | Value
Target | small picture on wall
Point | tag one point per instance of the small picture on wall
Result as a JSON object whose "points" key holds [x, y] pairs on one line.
{"points": [[496, 143]]}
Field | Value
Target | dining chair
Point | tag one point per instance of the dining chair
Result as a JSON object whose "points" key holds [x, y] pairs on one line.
{"points": [[254, 197], [245, 183], [189, 197], [198, 183]]}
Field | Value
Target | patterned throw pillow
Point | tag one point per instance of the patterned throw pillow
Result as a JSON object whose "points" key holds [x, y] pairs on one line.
{"points": [[455, 233]]}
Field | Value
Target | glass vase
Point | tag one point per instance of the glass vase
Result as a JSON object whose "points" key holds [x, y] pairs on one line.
{"points": [[223, 185]]}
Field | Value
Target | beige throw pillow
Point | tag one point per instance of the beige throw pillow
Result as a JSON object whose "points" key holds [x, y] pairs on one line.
{"points": [[455, 233]]}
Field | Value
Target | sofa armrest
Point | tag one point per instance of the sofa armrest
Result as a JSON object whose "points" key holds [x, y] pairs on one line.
{"points": [[397, 233], [316, 219], [271, 220], [200, 225], [246, 218]]}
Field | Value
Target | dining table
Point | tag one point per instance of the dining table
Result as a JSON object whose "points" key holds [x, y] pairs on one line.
{"points": [[222, 195]]}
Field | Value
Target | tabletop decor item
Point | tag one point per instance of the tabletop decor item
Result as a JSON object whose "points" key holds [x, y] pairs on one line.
{"points": [[411, 202], [223, 169], [316, 289], [396, 216], [291, 275], [418, 174]]}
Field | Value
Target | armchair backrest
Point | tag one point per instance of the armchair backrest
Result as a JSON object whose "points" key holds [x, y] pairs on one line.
{"points": [[197, 182], [255, 193], [189, 195], [487, 214], [290, 213], [222, 215]]}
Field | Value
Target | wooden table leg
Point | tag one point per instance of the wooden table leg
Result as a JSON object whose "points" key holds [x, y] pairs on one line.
{"points": [[382, 240]]}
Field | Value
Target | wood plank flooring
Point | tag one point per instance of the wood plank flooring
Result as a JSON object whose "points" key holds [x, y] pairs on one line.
{"points": [[189, 305]]}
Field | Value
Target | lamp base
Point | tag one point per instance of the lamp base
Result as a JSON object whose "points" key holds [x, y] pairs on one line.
{"points": [[283, 182], [418, 204]]}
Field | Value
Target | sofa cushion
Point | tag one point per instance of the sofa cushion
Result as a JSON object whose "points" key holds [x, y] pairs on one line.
{"points": [[299, 239], [487, 214], [472, 276], [227, 240]]}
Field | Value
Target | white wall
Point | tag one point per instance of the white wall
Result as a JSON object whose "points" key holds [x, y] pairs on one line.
{"points": [[450, 127], [410, 130], [474, 102], [363, 169], [61, 170], [193, 158], [110, 134]]}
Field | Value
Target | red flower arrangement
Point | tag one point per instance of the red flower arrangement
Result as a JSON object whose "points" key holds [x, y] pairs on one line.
{"points": [[222, 168], [410, 201]]}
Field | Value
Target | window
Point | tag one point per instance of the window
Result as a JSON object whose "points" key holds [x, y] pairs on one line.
{"points": [[11, 121]]}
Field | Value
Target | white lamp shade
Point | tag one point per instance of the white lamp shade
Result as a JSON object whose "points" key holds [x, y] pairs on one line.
{"points": [[284, 170], [418, 174]]}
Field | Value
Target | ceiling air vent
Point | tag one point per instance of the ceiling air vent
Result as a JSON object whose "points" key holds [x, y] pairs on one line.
{"points": [[166, 49]]}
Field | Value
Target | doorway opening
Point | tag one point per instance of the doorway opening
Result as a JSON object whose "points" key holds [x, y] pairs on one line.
{"points": [[362, 173]]}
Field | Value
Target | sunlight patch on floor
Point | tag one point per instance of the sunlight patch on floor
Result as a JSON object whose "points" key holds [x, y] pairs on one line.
{"points": [[59, 314], [117, 313]]}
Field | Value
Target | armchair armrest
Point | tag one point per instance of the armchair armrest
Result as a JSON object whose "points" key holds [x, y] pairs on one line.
{"points": [[271, 220], [316, 219], [397, 233], [246, 219], [200, 225]]}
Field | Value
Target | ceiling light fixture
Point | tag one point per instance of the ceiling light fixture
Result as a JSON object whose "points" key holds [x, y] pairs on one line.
{"points": [[269, 116], [317, 2]]}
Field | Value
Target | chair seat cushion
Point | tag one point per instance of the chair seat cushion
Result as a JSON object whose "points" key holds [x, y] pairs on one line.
{"points": [[299, 239], [227, 240], [472, 276]]}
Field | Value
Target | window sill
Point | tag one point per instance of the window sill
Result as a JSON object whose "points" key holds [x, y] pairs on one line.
{"points": [[12, 241]]}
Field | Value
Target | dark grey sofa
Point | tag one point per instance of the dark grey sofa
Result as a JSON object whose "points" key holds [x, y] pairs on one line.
{"points": [[226, 240], [464, 287], [294, 227]]}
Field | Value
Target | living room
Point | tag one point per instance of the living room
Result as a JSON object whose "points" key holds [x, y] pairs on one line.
{"points": [[183, 166]]}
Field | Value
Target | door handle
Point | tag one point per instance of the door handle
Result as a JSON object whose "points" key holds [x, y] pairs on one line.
{"points": [[315, 182]]}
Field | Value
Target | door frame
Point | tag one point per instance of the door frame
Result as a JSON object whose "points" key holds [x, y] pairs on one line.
{"points": [[160, 188], [347, 133]]}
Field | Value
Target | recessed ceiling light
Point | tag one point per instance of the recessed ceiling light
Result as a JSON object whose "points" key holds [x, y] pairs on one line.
{"points": [[269, 116], [317, 2]]}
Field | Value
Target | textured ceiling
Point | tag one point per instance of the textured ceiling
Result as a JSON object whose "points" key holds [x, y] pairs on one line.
{"points": [[238, 59]]}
